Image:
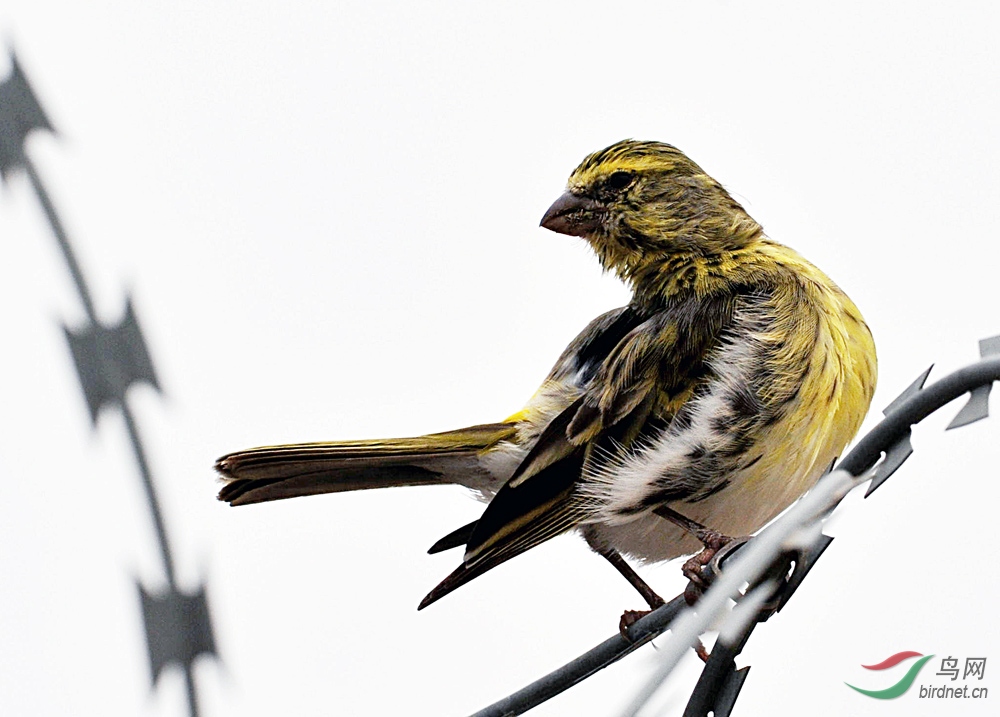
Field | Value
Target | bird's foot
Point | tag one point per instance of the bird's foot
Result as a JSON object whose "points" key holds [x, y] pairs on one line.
{"points": [[712, 539], [630, 618], [702, 569], [696, 569]]}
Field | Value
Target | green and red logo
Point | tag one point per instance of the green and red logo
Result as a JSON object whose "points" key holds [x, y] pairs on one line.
{"points": [[904, 683]]}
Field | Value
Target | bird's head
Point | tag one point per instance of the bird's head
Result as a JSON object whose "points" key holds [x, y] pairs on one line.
{"points": [[639, 204]]}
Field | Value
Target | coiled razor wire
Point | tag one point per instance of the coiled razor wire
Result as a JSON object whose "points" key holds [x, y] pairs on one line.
{"points": [[109, 359], [765, 563]]}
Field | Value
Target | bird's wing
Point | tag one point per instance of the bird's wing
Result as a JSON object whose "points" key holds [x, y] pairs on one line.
{"points": [[641, 379], [648, 372], [576, 367]]}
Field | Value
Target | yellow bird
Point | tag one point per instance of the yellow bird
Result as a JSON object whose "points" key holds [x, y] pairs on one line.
{"points": [[719, 395]]}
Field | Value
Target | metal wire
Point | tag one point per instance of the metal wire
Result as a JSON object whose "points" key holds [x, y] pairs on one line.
{"points": [[764, 561], [786, 535]]}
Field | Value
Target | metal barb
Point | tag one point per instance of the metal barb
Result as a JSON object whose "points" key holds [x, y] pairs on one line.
{"points": [[726, 696], [975, 409], [978, 405], [895, 456], [902, 449], [909, 392], [20, 112], [803, 564], [109, 359], [178, 628], [989, 346], [719, 684]]}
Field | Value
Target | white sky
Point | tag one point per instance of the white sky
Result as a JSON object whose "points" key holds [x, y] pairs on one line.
{"points": [[328, 217]]}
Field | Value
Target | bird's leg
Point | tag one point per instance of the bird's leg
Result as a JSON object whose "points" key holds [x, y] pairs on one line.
{"points": [[713, 540], [709, 538], [629, 617]]}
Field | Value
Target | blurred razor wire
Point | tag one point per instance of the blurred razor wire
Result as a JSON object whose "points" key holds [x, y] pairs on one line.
{"points": [[108, 360]]}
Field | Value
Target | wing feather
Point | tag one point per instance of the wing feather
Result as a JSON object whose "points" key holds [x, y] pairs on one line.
{"points": [[638, 370]]}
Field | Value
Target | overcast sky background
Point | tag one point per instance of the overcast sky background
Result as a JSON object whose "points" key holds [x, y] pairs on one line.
{"points": [[327, 214]]}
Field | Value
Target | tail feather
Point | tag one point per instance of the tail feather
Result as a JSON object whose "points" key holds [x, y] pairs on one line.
{"points": [[275, 472]]}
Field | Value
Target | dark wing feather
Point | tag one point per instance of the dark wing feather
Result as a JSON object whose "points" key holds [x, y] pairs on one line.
{"points": [[517, 508], [639, 370], [628, 379], [454, 539], [551, 447], [556, 523]]}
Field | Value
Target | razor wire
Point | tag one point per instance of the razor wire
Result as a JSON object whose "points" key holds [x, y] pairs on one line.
{"points": [[109, 359], [773, 564]]}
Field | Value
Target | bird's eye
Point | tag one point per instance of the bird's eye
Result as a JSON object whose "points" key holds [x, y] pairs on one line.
{"points": [[619, 180]]}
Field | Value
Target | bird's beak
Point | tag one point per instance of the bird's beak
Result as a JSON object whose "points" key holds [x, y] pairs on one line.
{"points": [[573, 215]]}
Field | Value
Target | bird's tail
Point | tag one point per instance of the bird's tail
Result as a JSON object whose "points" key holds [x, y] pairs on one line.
{"points": [[274, 472]]}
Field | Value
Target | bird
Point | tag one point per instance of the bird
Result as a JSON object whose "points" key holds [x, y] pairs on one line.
{"points": [[715, 398]]}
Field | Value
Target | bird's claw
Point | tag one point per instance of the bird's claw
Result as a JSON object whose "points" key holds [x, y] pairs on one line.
{"points": [[702, 569], [630, 618]]}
